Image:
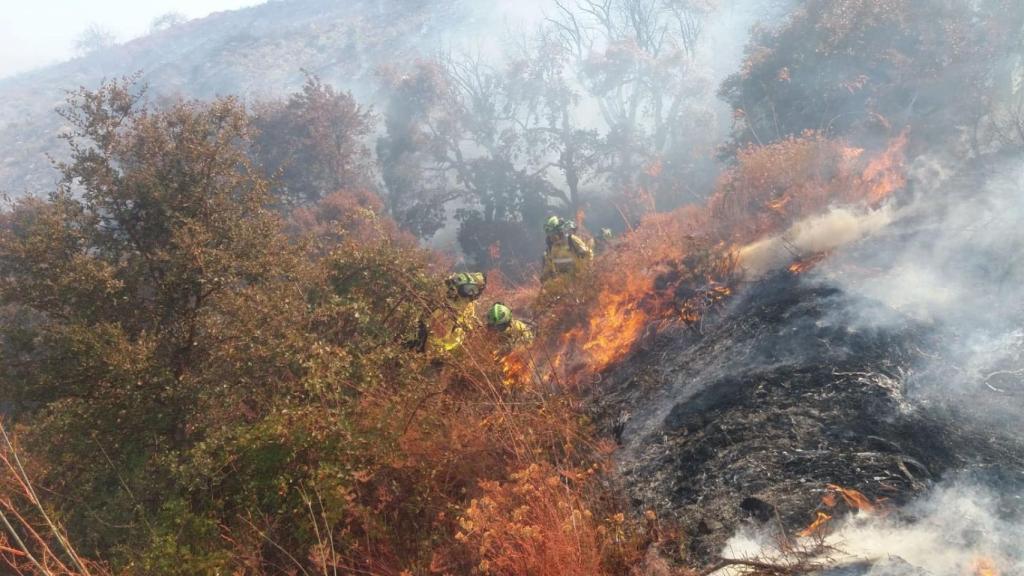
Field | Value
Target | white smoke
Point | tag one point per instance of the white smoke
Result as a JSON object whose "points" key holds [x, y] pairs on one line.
{"points": [[955, 530], [953, 260], [961, 252], [838, 227]]}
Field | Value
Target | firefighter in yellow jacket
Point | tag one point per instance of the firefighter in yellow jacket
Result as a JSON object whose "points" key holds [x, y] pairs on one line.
{"points": [[566, 252], [515, 332], [449, 324]]}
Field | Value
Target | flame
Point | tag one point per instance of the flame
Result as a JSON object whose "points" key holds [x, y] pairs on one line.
{"points": [[801, 266], [616, 322], [816, 526], [516, 369], [676, 267], [621, 316], [615, 328], [985, 567], [885, 173], [779, 204], [693, 308], [854, 499]]}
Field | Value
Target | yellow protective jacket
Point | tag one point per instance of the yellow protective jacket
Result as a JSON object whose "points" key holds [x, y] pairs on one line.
{"points": [[516, 335], [566, 256], [446, 333]]}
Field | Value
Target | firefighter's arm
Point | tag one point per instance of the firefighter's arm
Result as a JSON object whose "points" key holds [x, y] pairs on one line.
{"points": [[581, 248], [467, 319], [453, 339], [523, 335], [446, 332]]}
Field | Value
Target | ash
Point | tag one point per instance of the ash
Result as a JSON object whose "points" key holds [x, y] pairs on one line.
{"points": [[742, 423]]}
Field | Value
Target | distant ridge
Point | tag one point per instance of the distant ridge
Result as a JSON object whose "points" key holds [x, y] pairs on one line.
{"points": [[257, 52]]}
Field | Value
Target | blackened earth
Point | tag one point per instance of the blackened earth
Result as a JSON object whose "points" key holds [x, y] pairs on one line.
{"points": [[747, 418]]}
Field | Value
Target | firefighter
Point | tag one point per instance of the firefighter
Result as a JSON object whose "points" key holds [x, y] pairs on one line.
{"points": [[566, 252], [450, 323], [515, 332], [605, 240]]}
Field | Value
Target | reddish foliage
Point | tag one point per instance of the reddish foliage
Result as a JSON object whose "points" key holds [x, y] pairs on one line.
{"points": [[675, 266]]}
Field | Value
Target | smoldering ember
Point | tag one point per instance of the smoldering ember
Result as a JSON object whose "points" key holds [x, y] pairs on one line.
{"points": [[541, 287]]}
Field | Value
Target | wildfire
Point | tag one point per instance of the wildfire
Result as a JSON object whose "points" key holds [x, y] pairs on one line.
{"points": [[885, 173], [779, 204], [678, 266], [801, 266], [815, 526], [621, 315], [985, 567], [853, 499], [516, 369], [693, 309], [617, 323]]}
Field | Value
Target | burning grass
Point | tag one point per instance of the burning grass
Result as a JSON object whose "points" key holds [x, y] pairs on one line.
{"points": [[538, 523], [853, 500], [677, 267], [487, 451], [671, 272]]}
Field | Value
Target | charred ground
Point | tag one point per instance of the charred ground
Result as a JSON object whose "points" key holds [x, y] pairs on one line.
{"points": [[782, 393]]}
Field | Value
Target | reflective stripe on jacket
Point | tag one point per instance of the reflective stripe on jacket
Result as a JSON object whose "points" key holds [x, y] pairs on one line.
{"points": [[566, 256], [447, 334], [516, 335]]}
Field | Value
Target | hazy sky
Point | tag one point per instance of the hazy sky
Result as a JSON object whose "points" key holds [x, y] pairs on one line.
{"points": [[34, 33]]}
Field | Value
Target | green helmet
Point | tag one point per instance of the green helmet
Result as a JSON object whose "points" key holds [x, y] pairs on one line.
{"points": [[499, 316], [466, 284], [553, 225]]}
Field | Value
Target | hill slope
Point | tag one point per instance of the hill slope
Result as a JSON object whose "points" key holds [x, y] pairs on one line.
{"points": [[257, 52], [779, 398]]}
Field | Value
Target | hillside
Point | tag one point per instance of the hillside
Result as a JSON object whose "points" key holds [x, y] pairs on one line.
{"points": [[255, 53], [698, 318]]}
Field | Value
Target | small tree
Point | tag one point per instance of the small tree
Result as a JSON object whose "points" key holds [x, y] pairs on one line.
{"points": [[868, 68], [93, 39], [313, 143], [417, 120], [127, 273], [167, 21], [636, 59]]}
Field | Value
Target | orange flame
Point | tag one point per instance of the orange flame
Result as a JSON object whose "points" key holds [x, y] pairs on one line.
{"points": [[779, 204], [806, 264], [676, 267], [617, 325], [516, 368], [985, 567], [815, 527], [853, 498], [693, 309], [885, 173]]}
